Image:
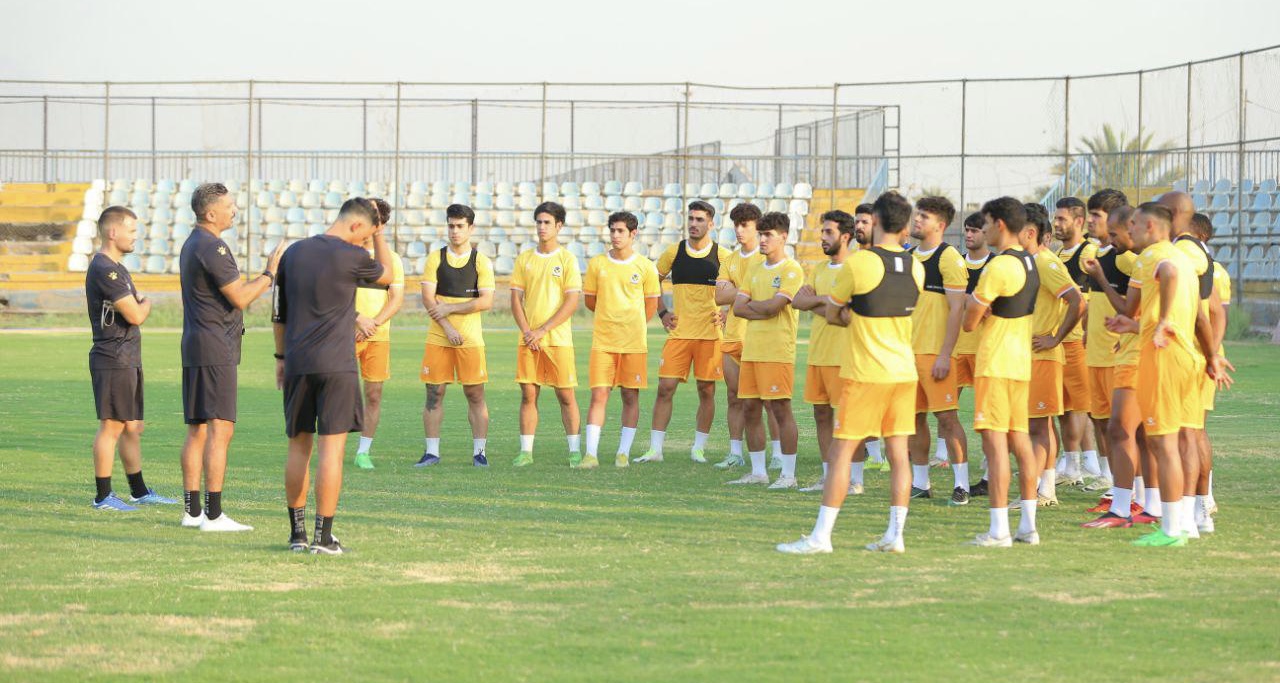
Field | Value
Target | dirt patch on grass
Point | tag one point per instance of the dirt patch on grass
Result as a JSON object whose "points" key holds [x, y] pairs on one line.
{"points": [[466, 572], [1104, 597]]}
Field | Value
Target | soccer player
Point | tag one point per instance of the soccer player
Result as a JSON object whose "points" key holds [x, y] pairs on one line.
{"points": [[935, 327], [1077, 433], [1202, 227], [457, 288], [116, 312], [622, 290], [975, 260], [213, 302], [827, 343], [694, 266], [315, 359], [873, 295], [769, 349], [1050, 325], [374, 308], [545, 287], [869, 452], [1002, 303]]}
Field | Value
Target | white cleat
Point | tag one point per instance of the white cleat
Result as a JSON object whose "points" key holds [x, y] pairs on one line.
{"points": [[1068, 480], [649, 457], [1030, 538], [883, 546], [815, 486], [192, 522], [223, 523], [749, 478], [855, 489], [807, 545], [1098, 484], [783, 483], [986, 541], [1204, 524]]}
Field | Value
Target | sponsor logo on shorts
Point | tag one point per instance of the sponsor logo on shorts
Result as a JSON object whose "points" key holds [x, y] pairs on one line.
{"points": [[1040, 405], [426, 370], [773, 388], [979, 417], [948, 398], [637, 378]]}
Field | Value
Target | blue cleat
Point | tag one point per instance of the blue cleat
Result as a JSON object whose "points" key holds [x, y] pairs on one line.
{"points": [[427, 460], [479, 460], [152, 498], [113, 502]]}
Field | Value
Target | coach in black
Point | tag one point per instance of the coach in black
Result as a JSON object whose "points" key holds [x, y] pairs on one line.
{"points": [[315, 319], [116, 311], [213, 301]]}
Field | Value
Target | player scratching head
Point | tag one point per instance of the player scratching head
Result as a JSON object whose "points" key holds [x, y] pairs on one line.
{"points": [[701, 214], [383, 217], [548, 220], [1004, 220], [622, 234], [462, 222], [773, 230], [117, 231], [357, 221], [1119, 225]]}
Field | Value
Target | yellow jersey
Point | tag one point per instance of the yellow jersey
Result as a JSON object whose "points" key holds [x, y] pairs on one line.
{"points": [[1004, 344], [620, 289], [827, 343], [1075, 270], [1102, 349], [1051, 310], [693, 287], [545, 279], [735, 273], [1183, 309], [371, 298], [967, 342], [458, 266], [944, 271], [879, 349], [772, 340]]}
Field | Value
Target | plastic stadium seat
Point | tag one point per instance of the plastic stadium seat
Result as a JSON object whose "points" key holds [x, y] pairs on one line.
{"points": [[779, 205], [597, 218], [187, 185], [727, 236], [570, 201], [590, 188], [332, 200], [141, 184], [1222, 202], [1261, 202], [162, 214], [573, 218], [708, 190], [527, 202], [653, 220], [506, 219], [671, 190], [596, 248], [330, 215], [86, 228], [416, 250], [78, 263], [484, 187], [593, 202], [503, 187], [155, 264], [672, 205], [782, 191], [527, 189], [438, 201], [118, 198], [482, 201], [503, 265], [570, 189], [181, 232], [1261, 223], [646, 204], [1201, 186], [335, 186], [121, 184], [133, 262], [155, 231], [799, 206], [616, 202], [747, 190], [460, 198], [296, 215], [507, 249], [144, 214], [1201, 201], [276, 185], [576, 249], [274, 215], [1247, 185], [265, 199], [1268, 185], [161, 198], [613, 188], [185, 215], [140, 198], [728, 190], [437, 217], [82, 245], [525, 220], [1222, 186], [671, 221], [295, 231], [505, 202], [419, 187], [802, 191]]}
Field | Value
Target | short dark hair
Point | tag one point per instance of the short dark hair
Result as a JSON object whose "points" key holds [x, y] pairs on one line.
{"points": [[863, 208], [893, 211], [844, 222], [556, 211], [1006, 209], [1038, 216], [1120, 214], [1107, 200], [1159, 212], [1072, 204], [113, 216], [1202, 226], [205, 195], [699, 205], [359, 207], [384, 209], [625, 217], [938, 206], [974, 220], [774, 221], [461, 211], [743, 212]]}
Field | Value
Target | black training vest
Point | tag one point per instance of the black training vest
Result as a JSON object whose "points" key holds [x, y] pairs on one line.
{"points": [[1023, 303], [463, 283], [896, 295], [1206, 280], [1077, 273], [976, 273], [933, 270], [1115, 277], [690, 270]]}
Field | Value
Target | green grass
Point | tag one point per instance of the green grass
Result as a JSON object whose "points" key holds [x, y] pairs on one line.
{"points": [[654, 573]]}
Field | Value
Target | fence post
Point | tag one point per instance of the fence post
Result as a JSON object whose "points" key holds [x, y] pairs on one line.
{"points": [[964, 138], [154, 177], [250, 199], [475, 138], [1066, 138], [364, 138], [106, 133], [542, 145], [684, 150], [44, 144], [1138, 181], [261, 115], [777, 149], [835, 99], [1239, 185], [1187, 170], [395, 172], [572, 145]]}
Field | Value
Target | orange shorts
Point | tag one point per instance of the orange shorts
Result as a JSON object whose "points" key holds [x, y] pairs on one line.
{"points": [[1101, 381], [1000, 404], [703, 355], [1124, 377], [823, 385], [766, 381], [870, 411], [375, 360], [1075, 378], [1045, 394], [934, 396], [962, 367], [453, 364], [550, 366], [627, 370], [732, 349], [1169, 390]]}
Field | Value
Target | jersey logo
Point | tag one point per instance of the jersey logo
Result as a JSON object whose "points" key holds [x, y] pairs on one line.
{"points": [[556, 271], [777, 282], [635, 278], [112, 275], [222, 251]]}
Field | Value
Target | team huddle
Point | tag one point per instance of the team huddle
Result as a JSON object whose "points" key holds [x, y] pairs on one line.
{"points": [[901, 322]]}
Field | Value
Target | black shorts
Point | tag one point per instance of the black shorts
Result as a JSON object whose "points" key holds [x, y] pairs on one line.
{"points": [[324, 403], [208, 393], [117, 393]]}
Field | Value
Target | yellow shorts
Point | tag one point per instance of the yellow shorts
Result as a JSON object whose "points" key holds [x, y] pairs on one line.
{"points": [[1045, 394], [375, 360], [870, 411], [1208, 391], [934, 396], [703, 355], [1169, 391], [1124, 377], [732, 349], [1000, 404], [1101, 384], [1075, 378], [962, 367], [627, 370], [453, 364], [823, 385], [765, 380], [550, 366]]}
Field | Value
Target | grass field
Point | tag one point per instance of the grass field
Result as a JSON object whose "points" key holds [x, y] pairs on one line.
{"points": [[654, 573]]}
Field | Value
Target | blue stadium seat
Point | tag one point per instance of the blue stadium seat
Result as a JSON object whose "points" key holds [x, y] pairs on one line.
{"points": [[708, 190], [590, 188], [747, 190], [782, 191], [671, 190], [802, 191], [1222, 186], [1268, 185], [728, 191], [612, 188]]}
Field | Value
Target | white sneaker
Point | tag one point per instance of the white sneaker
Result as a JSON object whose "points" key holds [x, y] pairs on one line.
{"points": [[883, 546], [192, 522], [855, 489], [649, 457], [815, 486], [807, 545], [750, 478], [1204, 523], [1069, 479], [1098, 484], [223, 523], [775, 462], [1030, 538], [1193, 532], [1210, 506], [986, 541], [782, 483]]}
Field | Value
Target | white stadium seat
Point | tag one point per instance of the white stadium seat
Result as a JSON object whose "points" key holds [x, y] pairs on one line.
{"points": [[612, 188], [802, 191], [78, 263], [781, 191], [728, 191]]}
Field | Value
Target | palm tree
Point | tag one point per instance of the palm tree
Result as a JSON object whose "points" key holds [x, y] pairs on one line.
{"points": [[1116, 161]]}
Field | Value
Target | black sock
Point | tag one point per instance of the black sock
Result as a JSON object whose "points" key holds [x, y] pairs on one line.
{"points": [[324, 530], [137, 487], [298, 523], [212, 504], [104, 488], [191, 501]]}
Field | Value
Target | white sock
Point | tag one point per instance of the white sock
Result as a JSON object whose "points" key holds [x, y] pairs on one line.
{"points": [[855, 472], [788, 465], [1154, 506], [433, 446], [826, 522], [1120, 502], [699, 440], [825, 468], [920, 476], [777, 448], [999, 523], [1072, 459], [1187, 508], [960, 471], [1210, 484], [655, 441], [526, 443], [873, 451], [1028, 522], [1091, 464], [366, 442], [1201, 507], [757, 463], [735, 447], [897, 522], [624, 440], [593, 439], [941, 453], [1049, 484], [1140, 491], [575, 442], [477, 445], [1105, 464], [1171, 521]]}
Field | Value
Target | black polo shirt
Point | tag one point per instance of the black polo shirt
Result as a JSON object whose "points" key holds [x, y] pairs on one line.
{"points": [[116, 343], [211, 325]]}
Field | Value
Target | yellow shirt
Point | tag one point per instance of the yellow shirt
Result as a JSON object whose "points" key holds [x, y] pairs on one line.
{"points": [[620, 289], [1102, 350], [929, 320], [545, 279], [1222, 282], [467, 324], [1004, 344], [828, 343], [694, 305], [1185, 305], [967, 342], [734, 271], [1051, 310], [1127, 348], [1090, 251], [879, 348], [772, 340], [371, 299]]}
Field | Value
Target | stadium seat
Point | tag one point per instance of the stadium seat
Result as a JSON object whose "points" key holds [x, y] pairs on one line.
{"points": [[782, 191], [439, 200], [487, 248], [286, 199], [274, 215], [482, 201], [187, 185], [332, 200], [460, 198], [746, 190], [802, 191], [1261, 202], [595, 249], [86, 228], [140, 185], [799, 206], [185, 215], [778, 205], [1201, 186], [276, 186], [296, 215], [570, 189], [671, 190], [525, 220], [653, 219], [484, 187], [155, 264], [1268, 185], [273, 230], [77, 263], [118, 198], [708, 190], [527, 189], [1247, 186], [506, 219], [1222, 186], [1201, 201], [507, 249], [576, 249], [140, 198], [1261, 223], [263, 199], [590, 188], [156, 231], [615, 202], [570, 201], [133, 262], [728, 191], [726, 236], [1222, 202], [673, 205], [82, 245], [671, 221], [597, 219], [159, 198], [503, 265], [162, 214], [648, 204], [504, 202], [336, 186], [612, 188], [295, 231], [593, 202]]}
